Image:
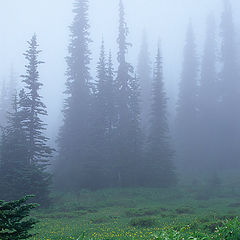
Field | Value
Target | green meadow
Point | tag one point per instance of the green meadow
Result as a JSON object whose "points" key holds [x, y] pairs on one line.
{"points": [[139, 213]]}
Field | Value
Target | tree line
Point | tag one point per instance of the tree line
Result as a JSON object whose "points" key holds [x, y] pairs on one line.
{"points": [[208, 119]]}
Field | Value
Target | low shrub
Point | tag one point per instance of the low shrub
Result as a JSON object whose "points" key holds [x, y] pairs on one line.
{"points": [[184, 210], [143, 222]]}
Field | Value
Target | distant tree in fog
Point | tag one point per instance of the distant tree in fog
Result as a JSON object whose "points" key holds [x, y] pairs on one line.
{"points": [[187, 113], [158, 165], [229, 94], [3, 104], [127, 97], [74, 143], [101, 115], [7, 93], [208, 102], [145, 82], [111, 112]]}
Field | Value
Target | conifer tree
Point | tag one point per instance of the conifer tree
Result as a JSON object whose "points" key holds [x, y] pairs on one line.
{"points": [[33, 110], [104, 117], [74, 168], [159, 162], [128, 115], [15, 223], [208, 101], [100, 172], [145, 82], [187, 113], [229, 92]]}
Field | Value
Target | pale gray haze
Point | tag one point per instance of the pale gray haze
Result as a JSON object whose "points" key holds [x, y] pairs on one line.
{"points": [[164, 20]]}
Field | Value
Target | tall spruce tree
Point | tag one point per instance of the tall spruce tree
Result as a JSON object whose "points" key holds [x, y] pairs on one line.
{"points": [[145, 82], [208, 102], [128, 131], [186, 120], [34, 109], [159, 162], [74, 168], [229, 92]]}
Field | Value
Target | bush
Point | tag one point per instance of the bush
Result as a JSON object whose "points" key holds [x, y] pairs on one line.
{"points": [[143, 222], [184, 210]]}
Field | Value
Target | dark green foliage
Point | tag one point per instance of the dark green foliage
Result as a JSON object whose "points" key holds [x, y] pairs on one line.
{"points": [[15, 223]]}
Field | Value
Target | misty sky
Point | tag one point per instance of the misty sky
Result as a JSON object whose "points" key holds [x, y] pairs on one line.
{"points": [[164, 20]]}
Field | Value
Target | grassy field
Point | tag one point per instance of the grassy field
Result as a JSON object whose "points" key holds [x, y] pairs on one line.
{"points": [[136, 213]]}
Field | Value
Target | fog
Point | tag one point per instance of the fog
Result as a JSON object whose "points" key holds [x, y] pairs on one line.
{"points": [[162, 20], [177, 112]]}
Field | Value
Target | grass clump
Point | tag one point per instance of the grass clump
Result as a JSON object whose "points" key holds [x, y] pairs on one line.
{"points": [[230, 230]]}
